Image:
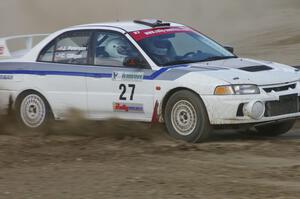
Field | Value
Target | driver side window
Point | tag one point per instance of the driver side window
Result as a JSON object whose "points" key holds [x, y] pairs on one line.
{"points": [[114, 49], [69, 48]]}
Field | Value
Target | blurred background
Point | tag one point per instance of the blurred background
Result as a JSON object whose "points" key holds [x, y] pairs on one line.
{"points": [[115, 159], [268, 29]]}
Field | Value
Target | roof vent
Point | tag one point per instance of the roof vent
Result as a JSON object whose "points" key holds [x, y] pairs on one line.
{"points": [[152, 22], [256, 68]]}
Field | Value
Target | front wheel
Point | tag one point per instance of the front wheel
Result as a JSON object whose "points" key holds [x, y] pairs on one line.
{"points": [[273, 130], [186, 117], [33, 111]]}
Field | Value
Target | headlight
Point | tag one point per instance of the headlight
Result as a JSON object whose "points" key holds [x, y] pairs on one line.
{"points": [[237, 89]]}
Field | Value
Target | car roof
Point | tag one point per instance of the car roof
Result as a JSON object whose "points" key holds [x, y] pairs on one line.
{"points": [[128, 26]]}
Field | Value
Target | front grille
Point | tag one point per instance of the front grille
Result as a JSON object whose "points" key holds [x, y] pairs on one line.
{"points": [[280, 88], [287, 104]]}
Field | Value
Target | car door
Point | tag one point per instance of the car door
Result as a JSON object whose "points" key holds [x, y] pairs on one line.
{"points": [[62, 64], [115, 88]]}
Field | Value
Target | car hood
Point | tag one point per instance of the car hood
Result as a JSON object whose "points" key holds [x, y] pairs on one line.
{"points": [[247, 71]]}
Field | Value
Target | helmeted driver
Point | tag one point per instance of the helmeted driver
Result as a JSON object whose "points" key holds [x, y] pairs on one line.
{"points": [[118, 49], [159, 50]]}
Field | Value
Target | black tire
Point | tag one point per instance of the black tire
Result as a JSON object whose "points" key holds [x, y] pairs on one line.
{"points": [[273, 130], [200, 126], [41, 105]]}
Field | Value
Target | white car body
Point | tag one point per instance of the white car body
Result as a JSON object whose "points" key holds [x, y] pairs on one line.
{"points": [[96, 90]]}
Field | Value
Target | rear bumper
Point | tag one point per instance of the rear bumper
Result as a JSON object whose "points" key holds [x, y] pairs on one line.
{"points": [[227, 109]]}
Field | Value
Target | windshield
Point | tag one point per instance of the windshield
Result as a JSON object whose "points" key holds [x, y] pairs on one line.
{"points": [[179, 45]]}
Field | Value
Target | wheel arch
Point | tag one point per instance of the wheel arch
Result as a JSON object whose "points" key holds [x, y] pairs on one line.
{"points": [[167, 96]]}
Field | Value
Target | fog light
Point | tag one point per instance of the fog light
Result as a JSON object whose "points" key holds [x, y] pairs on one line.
{"points": [[254, 109]]}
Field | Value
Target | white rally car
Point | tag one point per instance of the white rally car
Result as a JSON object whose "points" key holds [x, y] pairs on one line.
{"points": [[148, 70]]}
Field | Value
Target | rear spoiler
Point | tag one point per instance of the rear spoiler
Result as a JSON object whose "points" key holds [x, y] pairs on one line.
{"points": [[6, 53]]}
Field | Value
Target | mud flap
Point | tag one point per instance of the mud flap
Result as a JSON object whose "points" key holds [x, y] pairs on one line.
{"points": [[155, 118]]}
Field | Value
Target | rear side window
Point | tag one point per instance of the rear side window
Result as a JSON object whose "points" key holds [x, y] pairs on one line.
{"points": [[69, 48], [47, 53]]}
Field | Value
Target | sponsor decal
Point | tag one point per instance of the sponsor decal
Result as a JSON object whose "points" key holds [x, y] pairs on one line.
{"points": [[127, 76], [6, 77], [71, 48], [142, 34], [63, 55], [128, 107], [1, 50]]}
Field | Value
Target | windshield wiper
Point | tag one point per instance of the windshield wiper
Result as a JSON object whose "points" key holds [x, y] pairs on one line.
{"points": [[177, 62], [214, 58]]}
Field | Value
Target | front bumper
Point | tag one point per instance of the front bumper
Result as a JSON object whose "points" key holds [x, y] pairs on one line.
{"points": [[228, 109]]}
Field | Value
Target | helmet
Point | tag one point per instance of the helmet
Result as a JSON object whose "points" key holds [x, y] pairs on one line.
{"points": [[159, 47], [118, 48]]}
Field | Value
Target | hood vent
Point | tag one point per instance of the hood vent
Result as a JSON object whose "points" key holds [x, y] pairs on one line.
{"points": [[256, 68]]}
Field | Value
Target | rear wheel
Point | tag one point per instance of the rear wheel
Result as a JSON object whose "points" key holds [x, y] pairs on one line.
{"points": [[273, 130], [33, 110], [186, 118]]}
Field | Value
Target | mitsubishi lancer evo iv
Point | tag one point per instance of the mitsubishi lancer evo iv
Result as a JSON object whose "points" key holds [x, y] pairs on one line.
{"points": [[150, 71]]}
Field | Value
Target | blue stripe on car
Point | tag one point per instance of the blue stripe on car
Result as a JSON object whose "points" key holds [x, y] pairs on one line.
{"points": [[153, 76], [64, 73]]}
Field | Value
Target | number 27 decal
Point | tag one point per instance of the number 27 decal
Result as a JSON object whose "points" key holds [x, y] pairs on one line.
{"points": [[123, 89]]}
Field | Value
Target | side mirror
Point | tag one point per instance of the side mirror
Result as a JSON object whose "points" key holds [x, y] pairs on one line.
{"points": [[229, 48], [134, 62]]}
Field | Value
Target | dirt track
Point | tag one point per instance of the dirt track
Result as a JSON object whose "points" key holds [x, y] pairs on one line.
{"points": [[141, 162]]}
